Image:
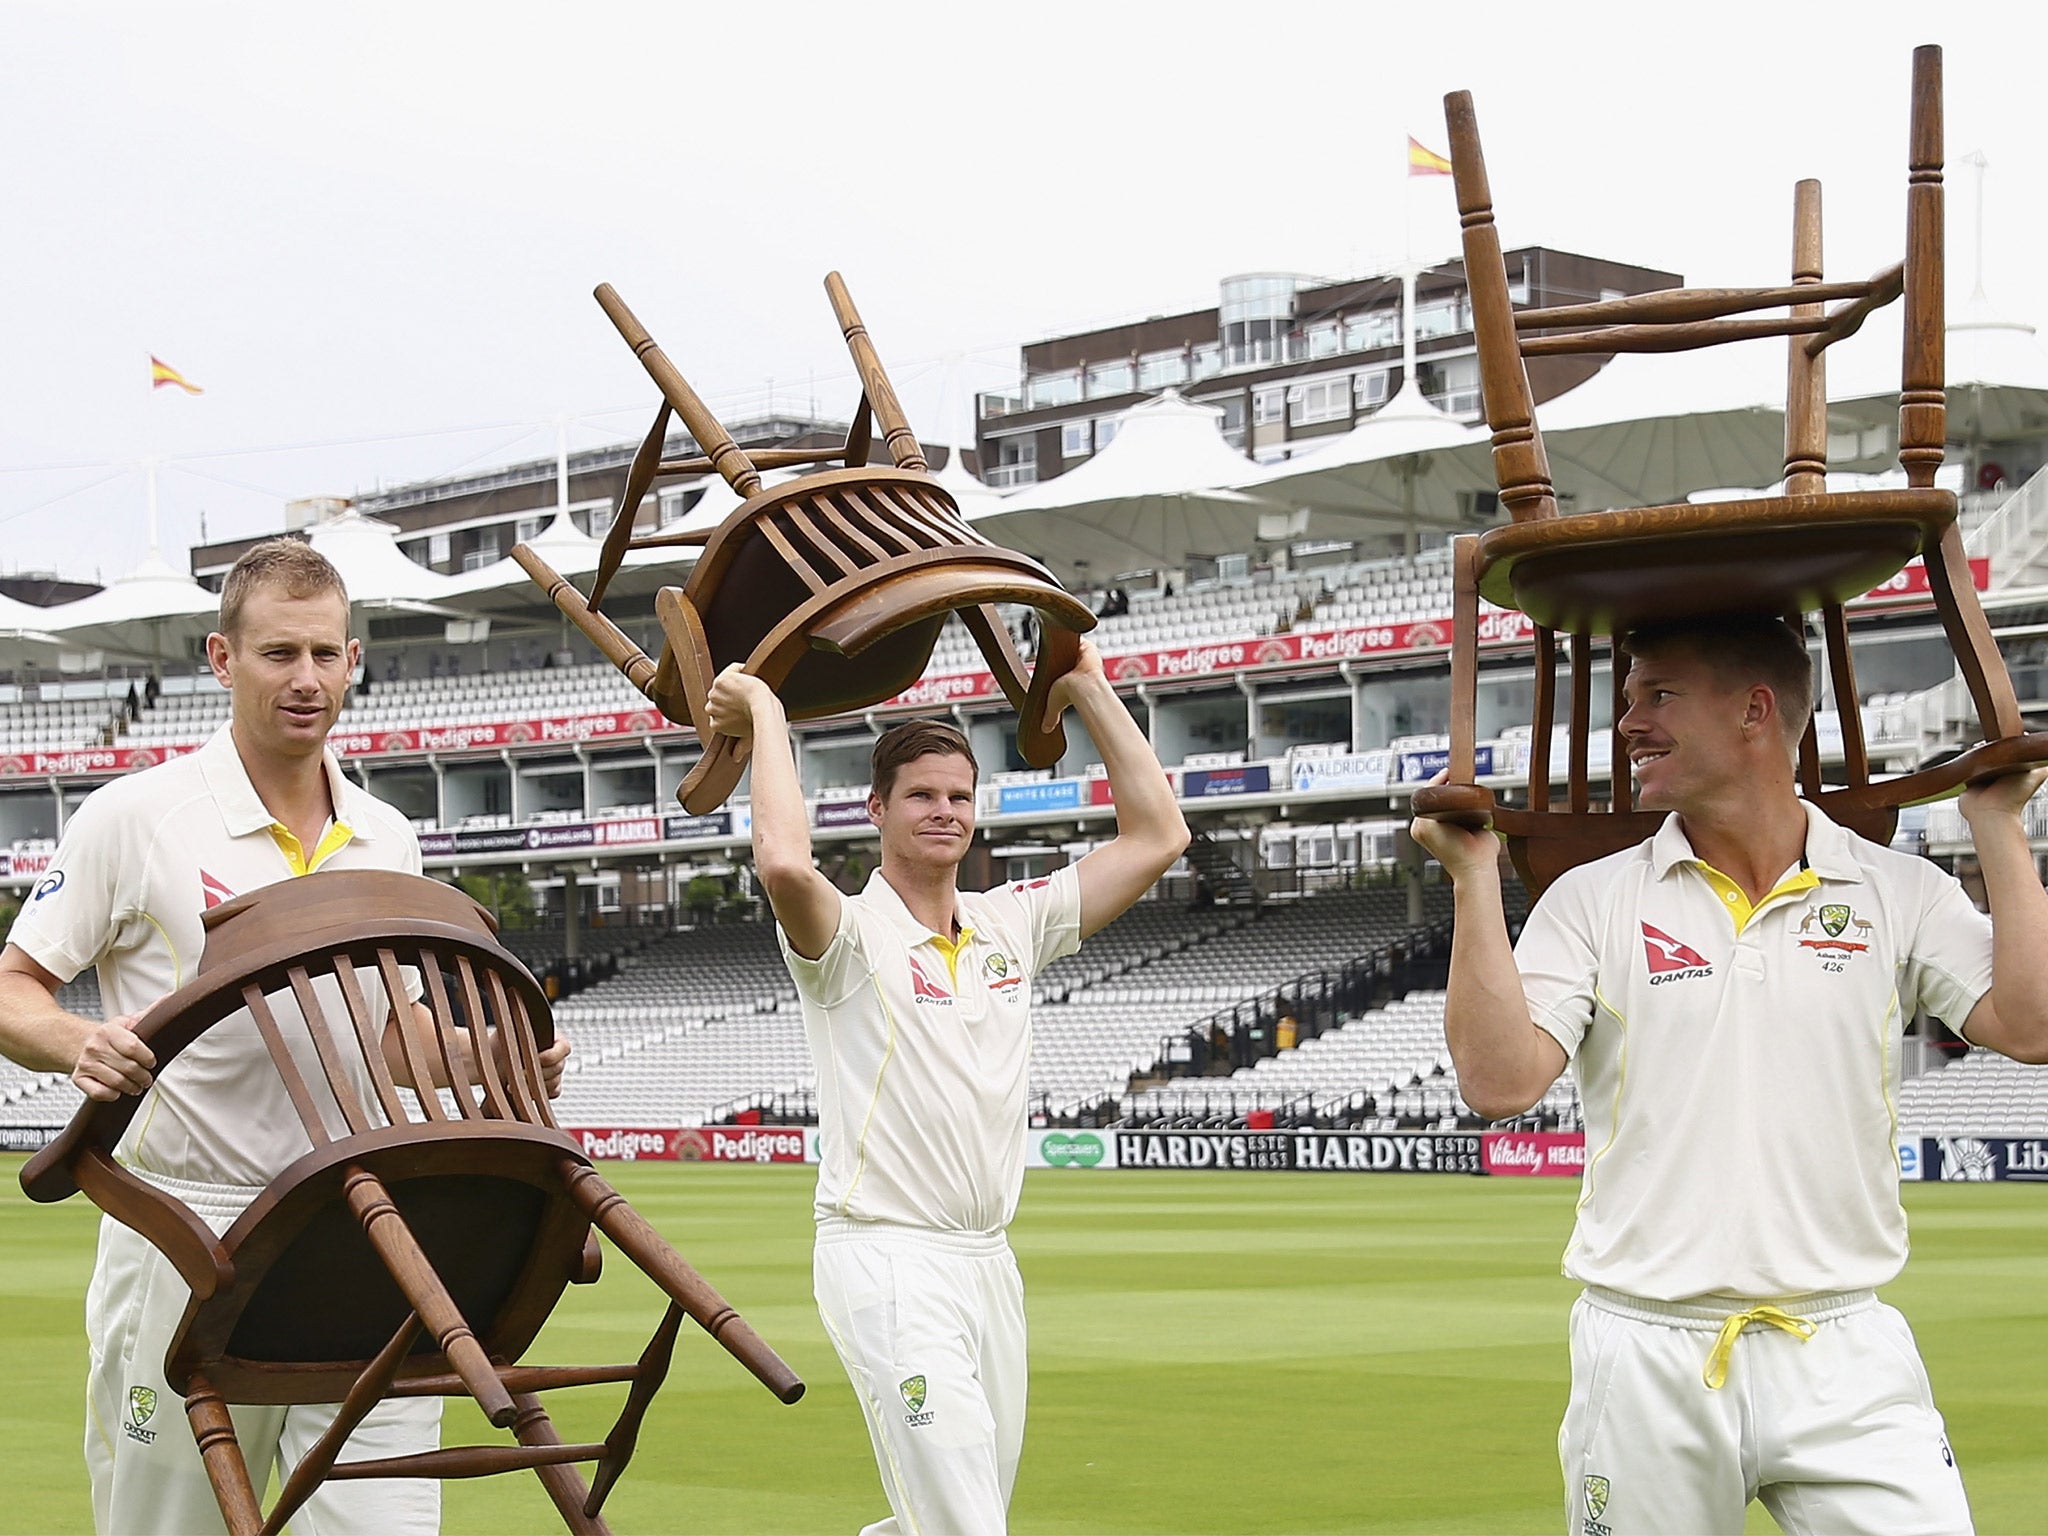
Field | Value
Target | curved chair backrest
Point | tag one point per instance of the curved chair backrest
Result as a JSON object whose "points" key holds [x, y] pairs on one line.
{"points": [[426, 1232], [832, 588]]}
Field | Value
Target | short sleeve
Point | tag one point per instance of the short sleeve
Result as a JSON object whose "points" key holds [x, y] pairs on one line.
{"points": [[1948, 957], [1558, 956], [1049, 910], [843, 966], [74, 912]]}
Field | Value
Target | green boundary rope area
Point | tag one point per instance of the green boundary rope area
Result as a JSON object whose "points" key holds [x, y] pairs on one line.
{"points": [[1211, 1352]]}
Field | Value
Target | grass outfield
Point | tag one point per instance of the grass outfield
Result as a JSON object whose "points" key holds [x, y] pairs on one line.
{"points": [[1219, 1352]]}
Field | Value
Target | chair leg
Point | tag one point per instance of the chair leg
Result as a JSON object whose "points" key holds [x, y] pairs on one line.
{"points": [[362, 1398], [222, 1455], [609, 1212], [625, 1436], [400, 1251], [1039, 743], [564, 1483]]}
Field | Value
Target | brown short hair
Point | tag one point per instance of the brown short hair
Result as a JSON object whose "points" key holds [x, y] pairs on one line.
{"points": [[291, 564], [913, 739], [1741, 649]]}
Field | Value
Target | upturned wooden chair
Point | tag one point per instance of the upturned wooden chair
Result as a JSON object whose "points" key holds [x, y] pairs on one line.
{"points": [[1602, 574], [424, 1237], [831, 588]]}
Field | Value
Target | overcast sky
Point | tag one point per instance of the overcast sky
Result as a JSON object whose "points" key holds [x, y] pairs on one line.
{"points": [[370, 232]]}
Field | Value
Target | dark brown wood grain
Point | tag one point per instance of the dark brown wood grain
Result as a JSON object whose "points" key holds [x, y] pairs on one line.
{"points": [[1799, 551], [404, 1252], [829, 588]]}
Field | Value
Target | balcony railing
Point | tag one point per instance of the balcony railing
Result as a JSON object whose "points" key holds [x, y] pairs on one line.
{"points": [[1001, 475]]}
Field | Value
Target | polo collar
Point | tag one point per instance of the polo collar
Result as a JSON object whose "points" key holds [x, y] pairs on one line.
{"points": [[243, 810], [882, 897], [1829, 847]]}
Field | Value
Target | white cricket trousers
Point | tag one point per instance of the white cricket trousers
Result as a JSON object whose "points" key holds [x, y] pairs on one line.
{"points": [[1825, 1415], [930, 1327], [147, 1478]]}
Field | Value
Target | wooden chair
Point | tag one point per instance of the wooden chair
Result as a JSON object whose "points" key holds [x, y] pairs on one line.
{"points": [[1605, 573], [422, 1240], [831, 588]]}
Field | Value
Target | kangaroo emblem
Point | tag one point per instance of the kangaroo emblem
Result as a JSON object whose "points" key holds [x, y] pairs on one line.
{"points": [[1806, 923]]}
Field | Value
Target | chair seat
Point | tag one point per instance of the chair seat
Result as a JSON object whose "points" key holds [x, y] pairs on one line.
{"points": [[1599, 572]]}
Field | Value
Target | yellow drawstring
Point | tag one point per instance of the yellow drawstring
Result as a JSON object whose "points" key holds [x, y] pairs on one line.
{"points": [[1716, 1373]]}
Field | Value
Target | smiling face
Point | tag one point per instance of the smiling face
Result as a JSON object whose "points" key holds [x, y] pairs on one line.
{"points": [[1690, 733], [287, 666], [927, 821]]}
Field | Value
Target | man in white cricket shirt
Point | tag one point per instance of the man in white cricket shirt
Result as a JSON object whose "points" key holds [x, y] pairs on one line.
{"points": [[1732, 994], [141, 861], [917, 1006]]}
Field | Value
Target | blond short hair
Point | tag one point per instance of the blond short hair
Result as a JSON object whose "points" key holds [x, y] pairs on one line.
{"points": [[291, 564]]}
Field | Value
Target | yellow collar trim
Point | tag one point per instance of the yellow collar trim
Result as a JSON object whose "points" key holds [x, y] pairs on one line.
{"points": [[337, 836], [951, 949], [1737, 900]]}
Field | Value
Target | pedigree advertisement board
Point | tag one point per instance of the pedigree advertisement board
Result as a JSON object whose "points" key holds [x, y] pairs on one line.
{"points": [[695, 1144]]}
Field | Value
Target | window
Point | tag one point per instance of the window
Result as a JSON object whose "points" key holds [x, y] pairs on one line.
{"points": [[1268, 405], [1110, 379], [1451, 384], [1052, 389], [1233, 418], [1016, 462], [1371, 330], [529, 528], [1325, 400], [1370, 388], [1518, 285], [1439, 317], [601, 519], [1105, 431], [1162, 370], [437, 549], [1077, 439]]}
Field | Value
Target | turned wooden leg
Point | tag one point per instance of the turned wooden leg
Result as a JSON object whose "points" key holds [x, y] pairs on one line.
{"points": [[222, 1454]]}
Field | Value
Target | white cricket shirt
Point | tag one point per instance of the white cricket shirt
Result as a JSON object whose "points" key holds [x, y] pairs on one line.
{"points": [[139, 863], [923, 1051], [1740, 1068]]}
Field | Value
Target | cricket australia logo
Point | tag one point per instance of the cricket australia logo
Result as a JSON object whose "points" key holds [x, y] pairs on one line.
{"points": [[141, 1409], [1596, 1504], [913, 1389], [1836, 918], [1672, 959], [1004, 980]]}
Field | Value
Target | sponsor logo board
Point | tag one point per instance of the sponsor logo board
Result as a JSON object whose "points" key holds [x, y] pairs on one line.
{"points": [[1070, 1149], [1304, 1151], [1541, 1154]]}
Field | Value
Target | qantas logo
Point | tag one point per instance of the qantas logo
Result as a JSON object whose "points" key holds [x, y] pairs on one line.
{"points": [[215, 890], [1672, 959], [924, 990]]}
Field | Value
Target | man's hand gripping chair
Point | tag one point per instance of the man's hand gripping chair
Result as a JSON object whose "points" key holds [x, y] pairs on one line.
{"points": [[424, 1237], [1806, 550], [830, 588]]}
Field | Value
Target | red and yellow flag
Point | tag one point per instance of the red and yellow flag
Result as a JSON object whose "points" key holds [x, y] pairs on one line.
{"points": [[162, 373], [1423, 161]]}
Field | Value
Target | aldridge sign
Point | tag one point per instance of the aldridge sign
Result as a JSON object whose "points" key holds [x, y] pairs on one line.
{"points": [[1304, 1151]]}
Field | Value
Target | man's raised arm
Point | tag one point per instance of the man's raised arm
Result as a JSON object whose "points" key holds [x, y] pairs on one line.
{"points": [[1504, 1061], [1150, 831], [805, 902], [2012, 1018]]}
